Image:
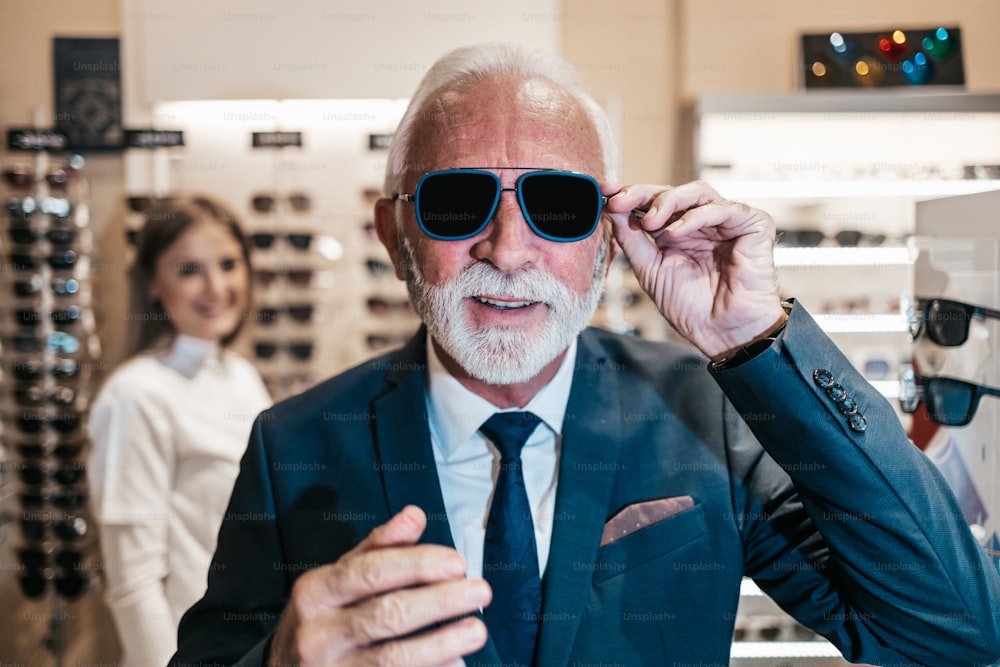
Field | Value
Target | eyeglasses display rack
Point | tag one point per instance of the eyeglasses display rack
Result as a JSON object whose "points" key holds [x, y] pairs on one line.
{"points": [[48, 348]]}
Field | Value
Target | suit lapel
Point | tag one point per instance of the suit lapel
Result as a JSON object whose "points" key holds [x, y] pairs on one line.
{"points": [[403, 442], [406, 458], [591, 439]]}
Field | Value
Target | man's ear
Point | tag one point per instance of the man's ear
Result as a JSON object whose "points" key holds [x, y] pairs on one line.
{"points": [[388, 234]]}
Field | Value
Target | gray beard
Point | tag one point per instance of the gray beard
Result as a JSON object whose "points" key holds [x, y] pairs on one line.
{"points": [[501, 355]]}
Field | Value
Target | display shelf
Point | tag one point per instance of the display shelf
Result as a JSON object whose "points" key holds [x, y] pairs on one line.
{"points": [[924, 188], [862, 323]]}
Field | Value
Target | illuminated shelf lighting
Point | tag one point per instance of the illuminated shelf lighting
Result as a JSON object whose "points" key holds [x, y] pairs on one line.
{"points": [[820, 257], [862, 323], [812, 649], [762, 189]]}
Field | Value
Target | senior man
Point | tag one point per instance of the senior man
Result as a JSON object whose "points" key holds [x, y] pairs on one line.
{"points": [[487, 490]]}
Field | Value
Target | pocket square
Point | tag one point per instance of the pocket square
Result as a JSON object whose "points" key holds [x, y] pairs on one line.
{"points": [[637, 516]]}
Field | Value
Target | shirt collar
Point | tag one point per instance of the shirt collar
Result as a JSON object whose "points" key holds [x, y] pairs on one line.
{"points": [[187, 354], [456, 413]]}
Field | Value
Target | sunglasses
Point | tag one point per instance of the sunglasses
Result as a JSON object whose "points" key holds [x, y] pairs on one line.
{"points": [[25, 235], [457, 204], [30, 370], [945, 322], [300, 277], [142, 203], [66, 474], [32, 286], [265, 240], [31, 395], [64, 451], [62, 260], [377, 267], [267, 349], [264, 203], [382, 341], [299, 313], [848, 238], [57, 341], [68, 316], [20, 177], [949, 401], [36, 422], [380, 306], [66, 499], [68, 529], [66, 576]]}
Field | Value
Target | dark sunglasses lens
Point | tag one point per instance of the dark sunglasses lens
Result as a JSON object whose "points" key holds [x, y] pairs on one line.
{"points": [[69, 500], [23, 262], [948, 401], [561, 207], [267, 316], [26, 288], [33, 585], [17, 177], [32, 475], [29, 395], [23, 235], [62, 260], [71, 583], [65, 316], [27, 343], [31, 451], [265, 350], [139, 204], [301, 313], [70, 474], [67, 451], [947, 322], [300, 277], [70, 529], [300, 241], [265, 276], [301, 351], [61, 236], [33, 530], [27, 370], [261, 240], [262, 203], [300, 202], [456, 205]]}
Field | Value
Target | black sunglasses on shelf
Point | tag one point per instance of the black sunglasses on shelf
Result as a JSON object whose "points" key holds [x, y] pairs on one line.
{"points": [[36, 422], [63, 451], [67, 498], [32, 369], [65, 529], [27, 317], [264, 240], [265, 203], [848, 238], [944, 321], [298, 312], [67, 578], [457, 204], [298, 277], [66, 474], [266, 349], [380, 306], [949, 401]]}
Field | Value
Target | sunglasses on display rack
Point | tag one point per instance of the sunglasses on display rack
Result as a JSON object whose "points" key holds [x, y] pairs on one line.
{"points": [[61, 261], [66, 474], [266, 349], [142, 203], [24, 235], [63, 569], [36, 422], [30, 370], [299, 277], [848, 238], [457, 204], [949, 401], [31, 395], [57, 341], [264, 240], [20, 177], [379, 306], [66, 529], [64, 451], [66, 499], [944, 321], [265, 203], [60, 317], [299, 313]]}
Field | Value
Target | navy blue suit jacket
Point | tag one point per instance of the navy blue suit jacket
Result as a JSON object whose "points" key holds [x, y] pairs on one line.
{"points": [[854, 533]]}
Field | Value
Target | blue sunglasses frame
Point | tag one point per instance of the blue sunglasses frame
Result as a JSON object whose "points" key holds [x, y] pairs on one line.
{"points": [[536, 172]]}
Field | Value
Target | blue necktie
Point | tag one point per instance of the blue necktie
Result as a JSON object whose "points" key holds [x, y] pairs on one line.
{"points": [[510, 557]]}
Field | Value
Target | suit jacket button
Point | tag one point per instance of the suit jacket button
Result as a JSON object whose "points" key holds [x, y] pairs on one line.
{"points": [[823, 377], [848, 406], [836, 392], [857, 422]]}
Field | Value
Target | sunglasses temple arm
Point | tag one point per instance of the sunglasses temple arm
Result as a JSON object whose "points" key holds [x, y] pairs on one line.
{"points": [[988, 312]]}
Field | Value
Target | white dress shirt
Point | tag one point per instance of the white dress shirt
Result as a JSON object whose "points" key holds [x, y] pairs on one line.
{"points": [[168, 432], [467, 462]]}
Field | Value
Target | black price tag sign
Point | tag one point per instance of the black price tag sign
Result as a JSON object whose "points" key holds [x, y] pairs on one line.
{"points": [[23, 139], [276, 139], [153, 138], [379, 142]]}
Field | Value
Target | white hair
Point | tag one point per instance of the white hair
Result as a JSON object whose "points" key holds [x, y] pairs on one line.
{"points": [[480, 62]]}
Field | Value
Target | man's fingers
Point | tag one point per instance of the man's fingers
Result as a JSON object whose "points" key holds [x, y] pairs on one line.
{"points": [[442, 647], [403, 612], [405, 527]]}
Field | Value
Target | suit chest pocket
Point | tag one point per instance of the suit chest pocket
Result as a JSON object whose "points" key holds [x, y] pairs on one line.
{"points": [[650, 544]]}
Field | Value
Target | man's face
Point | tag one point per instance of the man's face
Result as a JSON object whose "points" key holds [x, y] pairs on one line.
{"points": [[506, 302]]}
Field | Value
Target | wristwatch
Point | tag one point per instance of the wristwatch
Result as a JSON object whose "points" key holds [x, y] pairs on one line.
{"points": [[751, 350]]}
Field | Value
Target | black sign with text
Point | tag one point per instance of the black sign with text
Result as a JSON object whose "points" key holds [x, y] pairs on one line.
{"points": [[276, 139], [26, 139], [153, 138]]}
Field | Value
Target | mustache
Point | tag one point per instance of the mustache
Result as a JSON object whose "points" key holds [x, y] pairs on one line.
{"points": [[525, 285]]}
